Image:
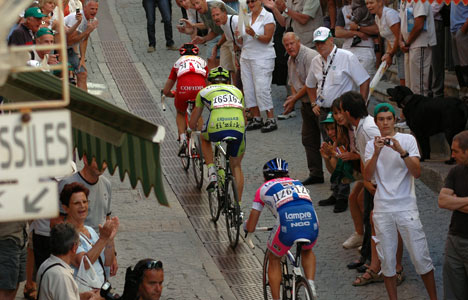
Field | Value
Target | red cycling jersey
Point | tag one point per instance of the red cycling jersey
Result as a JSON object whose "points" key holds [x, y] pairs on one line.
{"points": [[190, 72]]}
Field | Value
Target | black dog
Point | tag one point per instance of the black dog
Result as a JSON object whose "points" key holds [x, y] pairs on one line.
{"points": [[428, 116]]}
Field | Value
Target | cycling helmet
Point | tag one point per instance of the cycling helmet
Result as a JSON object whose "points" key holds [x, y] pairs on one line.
{"points": [[189, 49], [275, 168], [218, 75]]}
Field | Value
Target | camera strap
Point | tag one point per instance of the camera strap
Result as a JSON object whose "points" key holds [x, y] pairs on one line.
{"points": [[42, 275]]}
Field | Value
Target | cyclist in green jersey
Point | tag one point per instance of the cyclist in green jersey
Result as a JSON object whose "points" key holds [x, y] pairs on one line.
{"points": [[227, 119]]}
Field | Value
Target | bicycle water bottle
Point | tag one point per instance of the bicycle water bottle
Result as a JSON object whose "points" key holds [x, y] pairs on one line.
{"points": [[221, 176]]}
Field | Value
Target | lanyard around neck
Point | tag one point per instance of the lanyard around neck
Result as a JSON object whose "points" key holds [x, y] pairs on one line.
{"points": [[325, 72]]}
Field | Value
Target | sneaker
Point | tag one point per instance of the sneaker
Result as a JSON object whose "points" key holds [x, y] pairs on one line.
{"points": [[151, 49], [326, 202], [354, 241], [212, 179], [340, 206], [172, 47], [270, 125], [254, 124], [182, 148], [313, 289], [287, 116], [241, 218]]}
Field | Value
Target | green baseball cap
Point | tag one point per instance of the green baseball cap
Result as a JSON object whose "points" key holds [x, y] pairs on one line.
{"points": [[329, 119], [383, 107], [43, 31], [34, 12]]}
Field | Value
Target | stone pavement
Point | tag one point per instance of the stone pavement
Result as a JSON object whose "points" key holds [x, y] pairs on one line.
{"points": [[151, 230]]}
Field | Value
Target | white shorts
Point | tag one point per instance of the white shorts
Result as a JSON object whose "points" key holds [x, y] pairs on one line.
{"points": [[256, 77], [387, 225]]}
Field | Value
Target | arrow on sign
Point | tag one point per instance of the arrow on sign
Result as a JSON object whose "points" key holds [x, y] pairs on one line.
{"points": [[30, 207]]}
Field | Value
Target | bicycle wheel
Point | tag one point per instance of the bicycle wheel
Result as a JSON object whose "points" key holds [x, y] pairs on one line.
{"points": [[265, 282], [197, 161], [285, 282], [185, 157], [232, 211], [303, 290], [214, 200]]}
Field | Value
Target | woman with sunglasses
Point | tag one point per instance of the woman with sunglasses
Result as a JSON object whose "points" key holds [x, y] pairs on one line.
{"points": [[97, 248], [257, 63]]}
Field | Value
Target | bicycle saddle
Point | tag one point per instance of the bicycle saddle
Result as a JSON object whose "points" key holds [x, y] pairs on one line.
{"points": [[302, 240], [229, 139]]}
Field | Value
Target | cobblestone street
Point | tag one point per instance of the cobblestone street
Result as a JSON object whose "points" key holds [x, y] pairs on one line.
{"points": [[193, 268]]}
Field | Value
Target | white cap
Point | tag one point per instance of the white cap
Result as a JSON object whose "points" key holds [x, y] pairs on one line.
{"points": [[321, 34]]}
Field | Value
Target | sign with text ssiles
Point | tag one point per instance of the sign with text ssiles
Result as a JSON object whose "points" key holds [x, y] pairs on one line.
{"points": [[35, 145]]}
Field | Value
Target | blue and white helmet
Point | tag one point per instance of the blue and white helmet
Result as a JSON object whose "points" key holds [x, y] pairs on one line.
{"points": [[275, 168]]}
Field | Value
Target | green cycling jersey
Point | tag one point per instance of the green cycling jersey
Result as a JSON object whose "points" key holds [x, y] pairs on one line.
{"points": [[226, 105]]}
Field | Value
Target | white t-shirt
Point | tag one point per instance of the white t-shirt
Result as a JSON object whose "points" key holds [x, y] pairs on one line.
{"points": [[389, 18], [395, 185], [427, 36], [345, 74], [252, 48], [365, 131], [230, 24]]}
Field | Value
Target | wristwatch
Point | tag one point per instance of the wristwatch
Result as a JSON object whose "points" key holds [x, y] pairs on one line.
{"points": [[256, 36], [404, 155], [286, 10], [358, 27]]}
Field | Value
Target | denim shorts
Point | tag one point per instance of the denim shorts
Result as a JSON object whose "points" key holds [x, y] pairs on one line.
{"points": [[74, 61], [13, 262]]}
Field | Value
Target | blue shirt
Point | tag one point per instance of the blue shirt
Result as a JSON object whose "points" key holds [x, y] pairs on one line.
{"points": [[458, 16]]}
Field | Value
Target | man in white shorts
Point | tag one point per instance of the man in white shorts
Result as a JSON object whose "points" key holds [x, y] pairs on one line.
{"points": [[393, 158]]}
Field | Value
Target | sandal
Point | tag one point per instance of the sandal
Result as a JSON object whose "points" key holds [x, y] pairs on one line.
{"points": [[30, 293], [400, 277], [362, 269], [373, 277]]}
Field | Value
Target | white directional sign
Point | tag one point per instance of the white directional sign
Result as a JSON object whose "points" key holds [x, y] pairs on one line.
{"points": [[34, 202], [32, 147], [40, 147]]}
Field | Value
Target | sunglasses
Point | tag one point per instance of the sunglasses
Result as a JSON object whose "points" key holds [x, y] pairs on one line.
{"points": [[153, 265], [251, 1]]}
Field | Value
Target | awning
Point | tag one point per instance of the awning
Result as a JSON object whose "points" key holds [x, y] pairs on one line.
{"points": [[101, 130]]}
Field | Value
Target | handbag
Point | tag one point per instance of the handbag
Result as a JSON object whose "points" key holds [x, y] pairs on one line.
{"points": [[87, 279]]}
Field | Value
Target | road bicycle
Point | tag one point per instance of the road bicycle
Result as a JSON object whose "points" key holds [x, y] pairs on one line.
{"points": [[294, 285], [193, 150], [224, 197]]}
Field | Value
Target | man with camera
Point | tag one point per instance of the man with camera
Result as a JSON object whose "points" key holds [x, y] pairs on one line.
{"points": [[79, 38], [144, 282], [393, 160], [55, 276]]}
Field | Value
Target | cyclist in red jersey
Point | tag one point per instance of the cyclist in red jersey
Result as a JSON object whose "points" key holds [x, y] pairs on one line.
{"points": [[190, 72]]}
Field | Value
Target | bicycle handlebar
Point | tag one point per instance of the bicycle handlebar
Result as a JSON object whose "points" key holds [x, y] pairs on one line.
{"points": [[163, 99], [248, 237]]}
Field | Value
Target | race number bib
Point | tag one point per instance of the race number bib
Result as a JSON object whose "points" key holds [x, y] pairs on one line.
{"points": [[226, 100], [190, 64], [285, 195]]}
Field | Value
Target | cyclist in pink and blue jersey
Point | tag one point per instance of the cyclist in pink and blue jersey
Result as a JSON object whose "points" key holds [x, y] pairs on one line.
{"points": [[289, 201]]}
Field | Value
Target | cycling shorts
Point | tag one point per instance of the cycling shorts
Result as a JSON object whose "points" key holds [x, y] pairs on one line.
{"points": [[235, 148], [188, 87], [297, 220]]}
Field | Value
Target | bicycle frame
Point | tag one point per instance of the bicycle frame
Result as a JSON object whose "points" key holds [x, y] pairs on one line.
{"points": [[294, 260]]}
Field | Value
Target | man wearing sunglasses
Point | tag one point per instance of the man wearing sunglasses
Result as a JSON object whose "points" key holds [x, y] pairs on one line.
{"points": [[150, 275]]}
